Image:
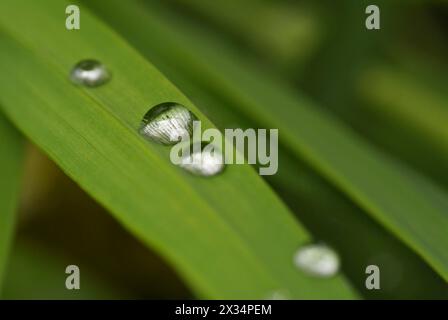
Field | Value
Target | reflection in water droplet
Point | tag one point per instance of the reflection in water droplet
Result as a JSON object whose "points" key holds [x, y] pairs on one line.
{"points": [[317, 260], [90, 73], [167, 123], [205, 160]]}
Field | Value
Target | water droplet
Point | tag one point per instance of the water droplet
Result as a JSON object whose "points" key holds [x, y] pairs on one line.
{"points": [[167, 123], [204, 160], [90, 73], [317, 260], [278, 295]]}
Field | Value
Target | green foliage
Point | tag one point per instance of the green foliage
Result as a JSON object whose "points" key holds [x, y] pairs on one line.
{"points": [[370, 193], [309, 132], [226, 240]]}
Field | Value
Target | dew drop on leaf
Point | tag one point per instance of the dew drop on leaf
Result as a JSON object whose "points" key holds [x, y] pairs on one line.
{"points": [[167, 123], [90, 73], [317, 260], [205, 160]]}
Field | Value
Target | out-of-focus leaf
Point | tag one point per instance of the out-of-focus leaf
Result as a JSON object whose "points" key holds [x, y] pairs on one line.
{"points": [[407, 204], [289, 32], [407, 116]]}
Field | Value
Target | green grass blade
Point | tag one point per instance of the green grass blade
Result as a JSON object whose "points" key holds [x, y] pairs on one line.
{"points": [[229, 237], [331, 217], [398, 96], [399, 199], [11, 151]]}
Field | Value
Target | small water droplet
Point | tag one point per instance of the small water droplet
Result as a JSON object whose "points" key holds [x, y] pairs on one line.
{"points": [[205, 160], [90, 73], [317, 260], [167, 123], [278, 295]]}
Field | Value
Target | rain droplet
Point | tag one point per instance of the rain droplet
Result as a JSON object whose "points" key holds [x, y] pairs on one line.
{"points": [[205, 160], [167, 123], [90, 73], [317, 260]]}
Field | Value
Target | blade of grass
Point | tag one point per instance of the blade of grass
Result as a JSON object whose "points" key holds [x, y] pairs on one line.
{"points": [[229, 237], [399, 199], [34, 272], [326, 212], [334, 218], [11, 157], [409, 111]]}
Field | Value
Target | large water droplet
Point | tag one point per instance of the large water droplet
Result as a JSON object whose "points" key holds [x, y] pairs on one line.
{"points": [[317, 260], [167, 123], [90, 73], [205, 160]]}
